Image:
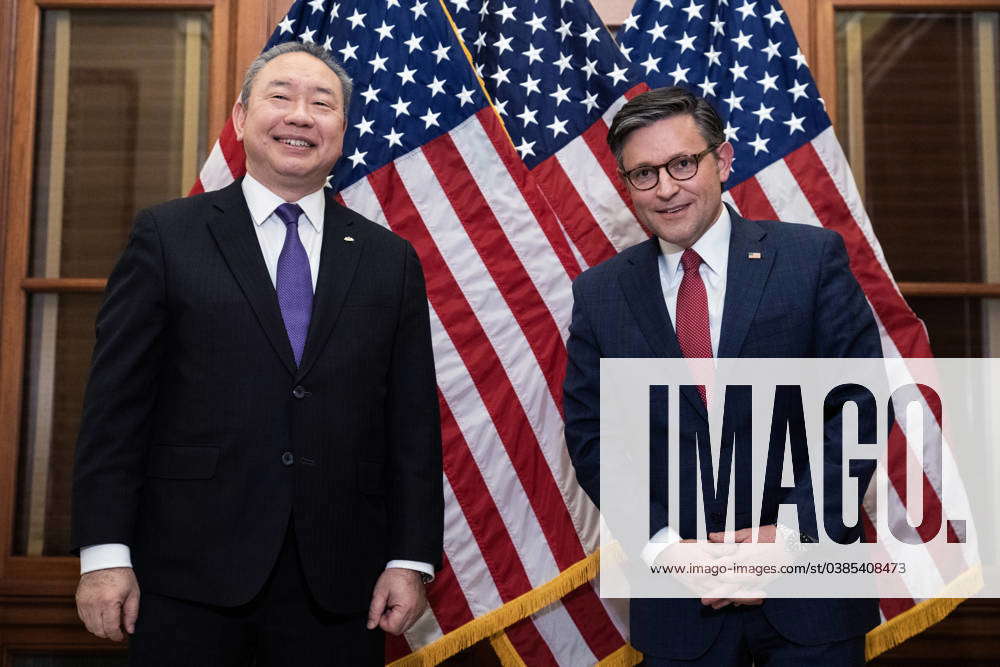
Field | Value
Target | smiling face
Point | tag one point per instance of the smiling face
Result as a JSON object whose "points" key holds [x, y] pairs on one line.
{"points": [[677, 211], [292, 127]]}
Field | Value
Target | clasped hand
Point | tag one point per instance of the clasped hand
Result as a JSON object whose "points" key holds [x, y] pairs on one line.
{"points": [[716, 588]]}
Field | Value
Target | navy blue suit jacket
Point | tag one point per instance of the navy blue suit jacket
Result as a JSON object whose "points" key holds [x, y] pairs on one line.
{"points": [[799, 299]]}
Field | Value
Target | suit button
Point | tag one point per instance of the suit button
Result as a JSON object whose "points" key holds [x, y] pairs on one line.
{"points": [[288, 458], [299, 392]]}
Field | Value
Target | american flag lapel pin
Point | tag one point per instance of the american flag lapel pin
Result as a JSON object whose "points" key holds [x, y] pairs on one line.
{"points": [[753, 255]]}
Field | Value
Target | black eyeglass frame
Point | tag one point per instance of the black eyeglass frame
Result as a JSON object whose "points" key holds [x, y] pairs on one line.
{"points": [[666, 165]]}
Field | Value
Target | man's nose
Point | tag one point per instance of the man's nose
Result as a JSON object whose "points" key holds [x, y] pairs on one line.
{"points": [[299, 114], [666, 186]]}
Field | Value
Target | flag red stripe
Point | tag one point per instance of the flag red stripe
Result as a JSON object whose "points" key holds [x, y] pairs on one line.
{"points": [[902, 325], [752, 201], [890, 606], [502, 263], [529, 190], [396, 647], [498, 550], [495, 388], [530, 645], [586, 234], [602, 636], [636, 90], [447, 600], [596, 137], [232, 149]]}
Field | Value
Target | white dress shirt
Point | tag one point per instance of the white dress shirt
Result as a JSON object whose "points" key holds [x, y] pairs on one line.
{"points": [[713, 247], [270, 231]]}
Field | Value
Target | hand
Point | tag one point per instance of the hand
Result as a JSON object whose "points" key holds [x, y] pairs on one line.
{"points": [[398, 600], [765, 536], [687, 553], [107, 602]]}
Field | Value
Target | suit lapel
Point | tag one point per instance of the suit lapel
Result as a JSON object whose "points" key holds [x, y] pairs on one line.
{"points": [[233, 231], [338, 262], [750, 262], [641, 284], [644, 293]]}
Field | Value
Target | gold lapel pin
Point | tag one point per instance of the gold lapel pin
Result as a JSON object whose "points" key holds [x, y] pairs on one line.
{"points": [[349, 239], [753, 255]]}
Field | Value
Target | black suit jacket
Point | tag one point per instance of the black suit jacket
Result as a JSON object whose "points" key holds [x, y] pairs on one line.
{"points": [[797, 298], [201, 438]]}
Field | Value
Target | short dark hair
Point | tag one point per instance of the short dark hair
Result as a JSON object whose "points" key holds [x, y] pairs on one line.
{"points": [[660, 103], [317, 52]]}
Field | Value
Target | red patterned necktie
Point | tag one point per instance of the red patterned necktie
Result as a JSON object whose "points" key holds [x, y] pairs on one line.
{"points": [[693, 332]]}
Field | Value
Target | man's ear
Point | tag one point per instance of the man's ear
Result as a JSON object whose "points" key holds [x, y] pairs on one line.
{"points": [[239, 118], [724, 160]]}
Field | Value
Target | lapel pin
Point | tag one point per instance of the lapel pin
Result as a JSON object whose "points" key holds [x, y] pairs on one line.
{"points": [[349, 239], [753, 255]]}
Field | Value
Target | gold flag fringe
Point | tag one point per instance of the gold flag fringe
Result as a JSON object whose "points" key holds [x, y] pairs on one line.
{"points": [[508, 655], [626, 656], [494, 622], [923, 615]]}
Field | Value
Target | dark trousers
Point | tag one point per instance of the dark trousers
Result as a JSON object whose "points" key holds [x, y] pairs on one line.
{"points": [[281, 626], [748, 638]]}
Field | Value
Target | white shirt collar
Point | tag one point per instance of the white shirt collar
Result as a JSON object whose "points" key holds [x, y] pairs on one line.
{"points": [[262, 203], [713, 247]]}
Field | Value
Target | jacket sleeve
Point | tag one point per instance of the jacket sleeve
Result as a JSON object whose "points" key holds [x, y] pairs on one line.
{"points": [[121, 393], [415, 489], [845, 328], [581, 398]]}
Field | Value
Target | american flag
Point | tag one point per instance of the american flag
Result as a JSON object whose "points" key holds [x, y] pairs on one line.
{"points": [[557, 78], [426, 156], [505, 215], [743, 57]]}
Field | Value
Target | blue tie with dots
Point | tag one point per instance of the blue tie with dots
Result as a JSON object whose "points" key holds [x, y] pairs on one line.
{"points": [[294, 281]]}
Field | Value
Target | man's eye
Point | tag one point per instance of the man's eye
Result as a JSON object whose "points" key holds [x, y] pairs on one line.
{"points": [[683, 163], [643, 173]]}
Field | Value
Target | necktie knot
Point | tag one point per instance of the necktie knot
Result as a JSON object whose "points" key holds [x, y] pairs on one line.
{"points": [[288, 213], [690, 260]]}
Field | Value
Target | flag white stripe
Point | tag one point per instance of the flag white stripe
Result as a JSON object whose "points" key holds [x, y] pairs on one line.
{"points": [[785, 195], [466, 559], [515, 217], [832, 156], [562, 636], [215, 173], [360, 198], [599, 194]]}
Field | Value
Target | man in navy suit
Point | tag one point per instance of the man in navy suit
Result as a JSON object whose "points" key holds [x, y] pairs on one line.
{"points": [[260, 448], [710, 283]]}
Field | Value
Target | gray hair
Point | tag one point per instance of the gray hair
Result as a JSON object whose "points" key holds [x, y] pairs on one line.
{"points": [[318, 52], [644, 110]]}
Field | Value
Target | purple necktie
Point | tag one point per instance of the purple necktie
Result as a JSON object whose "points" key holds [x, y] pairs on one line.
{"points": [[294, 281]]}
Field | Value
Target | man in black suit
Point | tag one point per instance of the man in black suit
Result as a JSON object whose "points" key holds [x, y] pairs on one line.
{"points": [[710, 283], [260, 449]]}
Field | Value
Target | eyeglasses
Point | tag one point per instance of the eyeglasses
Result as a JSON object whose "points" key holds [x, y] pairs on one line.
{"points": [[681, 168]]}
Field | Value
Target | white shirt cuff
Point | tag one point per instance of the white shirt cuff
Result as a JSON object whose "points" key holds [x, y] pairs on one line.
{"points": [[664, 538], [423, 568], [103, 556]]}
